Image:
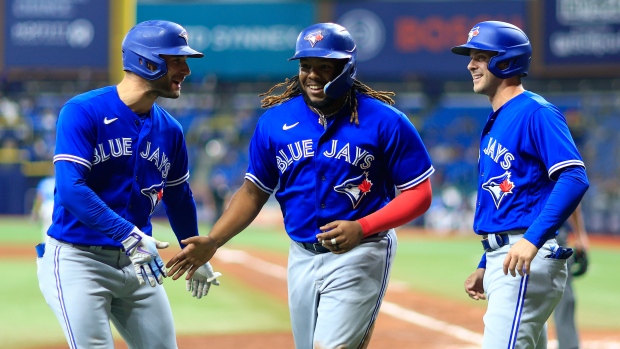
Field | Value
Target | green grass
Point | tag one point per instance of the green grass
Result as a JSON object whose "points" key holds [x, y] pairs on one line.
{"points": [[430, 264]]}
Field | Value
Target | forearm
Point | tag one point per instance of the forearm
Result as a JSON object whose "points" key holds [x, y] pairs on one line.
{"points": [[181, 211], [74, 195], [564, 198], [244, 206], [406, 207]]}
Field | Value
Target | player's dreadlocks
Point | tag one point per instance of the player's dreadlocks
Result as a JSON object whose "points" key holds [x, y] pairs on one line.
{"points": [[293, 89]]}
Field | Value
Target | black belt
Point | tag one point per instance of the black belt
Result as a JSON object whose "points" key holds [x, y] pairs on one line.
{"points": [[94, 247], [314, 248], [501, 239], [317, 248]]}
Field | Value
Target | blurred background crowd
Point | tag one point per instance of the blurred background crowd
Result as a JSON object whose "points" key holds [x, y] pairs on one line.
{"points": [[404, 47]]}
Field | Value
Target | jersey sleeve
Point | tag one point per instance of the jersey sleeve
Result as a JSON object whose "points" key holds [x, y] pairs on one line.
{"points": [[262, 167], [407, 157], [75, 136], [553, 141], [179, 171]]}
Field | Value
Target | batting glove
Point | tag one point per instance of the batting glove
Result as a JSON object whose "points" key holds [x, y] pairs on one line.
{"points": [[201, 281], [142, 251]]}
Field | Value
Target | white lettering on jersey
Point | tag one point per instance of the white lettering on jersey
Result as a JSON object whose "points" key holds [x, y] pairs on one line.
{"points": [[495, 151], [161, 161], [344, 153], [361, 155], [116, 148], [303, 149]]}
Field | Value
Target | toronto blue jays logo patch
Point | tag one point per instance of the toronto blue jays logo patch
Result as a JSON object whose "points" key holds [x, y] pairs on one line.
{"points": [[355, 188], [155, 193], [473, 32], [185, 36], [499, 187], [314, 37]]}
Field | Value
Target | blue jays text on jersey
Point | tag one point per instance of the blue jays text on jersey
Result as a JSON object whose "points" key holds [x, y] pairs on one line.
{"points": [[129, 161], [524, 145], [345, 171]]}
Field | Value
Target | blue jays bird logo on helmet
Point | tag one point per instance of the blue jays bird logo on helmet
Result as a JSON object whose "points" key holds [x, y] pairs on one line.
{"points": [[499, 187], [313, 38], [355, 188], [473, 32]]}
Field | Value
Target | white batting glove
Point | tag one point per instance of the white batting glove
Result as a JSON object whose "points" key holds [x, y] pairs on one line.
{"points": [[142, 251], [201, 281]]}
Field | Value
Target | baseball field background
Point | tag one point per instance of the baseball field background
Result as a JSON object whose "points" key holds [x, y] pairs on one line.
{"points": [[425, 306]]}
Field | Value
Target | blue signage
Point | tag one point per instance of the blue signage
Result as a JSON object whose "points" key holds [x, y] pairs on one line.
{"points": [[239, 40], [67, 34], [582, 32], [413, 39]]}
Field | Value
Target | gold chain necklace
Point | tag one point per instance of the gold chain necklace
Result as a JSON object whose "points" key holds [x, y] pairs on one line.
{"points": [[323, 118]]}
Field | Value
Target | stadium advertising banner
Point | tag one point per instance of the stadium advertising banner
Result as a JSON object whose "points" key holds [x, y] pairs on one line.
{"points": [[56, 34], [239, 40], [400, 39], [577, 37]]}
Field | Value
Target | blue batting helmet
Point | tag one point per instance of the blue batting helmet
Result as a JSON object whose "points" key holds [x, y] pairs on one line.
{"points": [[329, 40], [147, 41], [510, 43]]}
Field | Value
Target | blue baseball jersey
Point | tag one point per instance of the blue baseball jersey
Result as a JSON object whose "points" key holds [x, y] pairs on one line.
{"points": [[341, 172], [125, 160], [524, 147]]}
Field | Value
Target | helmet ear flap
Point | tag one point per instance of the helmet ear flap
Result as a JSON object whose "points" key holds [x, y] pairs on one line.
{"points": [[343, 82]]}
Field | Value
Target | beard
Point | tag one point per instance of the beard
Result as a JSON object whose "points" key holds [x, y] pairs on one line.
{"points": [[161, 87], [322, 104]]}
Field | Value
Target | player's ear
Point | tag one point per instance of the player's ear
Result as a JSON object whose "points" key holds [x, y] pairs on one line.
{"points": [[151, 66]]}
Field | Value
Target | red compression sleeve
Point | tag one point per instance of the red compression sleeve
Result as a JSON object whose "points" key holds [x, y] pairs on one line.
{"points": [[407, 206]]}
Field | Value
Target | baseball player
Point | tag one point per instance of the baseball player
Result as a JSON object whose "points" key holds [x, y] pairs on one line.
{"points": [[564, 313], [118, 155], [531, 178], [43, 205], [333, 151]]}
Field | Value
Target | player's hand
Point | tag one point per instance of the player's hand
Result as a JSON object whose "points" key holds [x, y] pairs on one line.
{"points": [[197, 252], [519, 258], [341, 236], [474, 286], [142, 251], [201, 281]]}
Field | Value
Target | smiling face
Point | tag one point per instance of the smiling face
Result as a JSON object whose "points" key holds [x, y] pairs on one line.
{"points": [[169, 85], [314, 74], [484, 81]]}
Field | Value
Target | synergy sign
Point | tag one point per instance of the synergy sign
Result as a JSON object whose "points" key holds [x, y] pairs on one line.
{"points": [[239, 40]]}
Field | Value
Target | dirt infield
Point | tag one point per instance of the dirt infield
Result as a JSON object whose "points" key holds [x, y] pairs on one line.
{"points": [[408, 319]]}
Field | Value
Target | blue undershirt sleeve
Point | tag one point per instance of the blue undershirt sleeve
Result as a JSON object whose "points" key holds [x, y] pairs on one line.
{"points": [[563, 200], [74, 195], [483, 261], [181, 211]]}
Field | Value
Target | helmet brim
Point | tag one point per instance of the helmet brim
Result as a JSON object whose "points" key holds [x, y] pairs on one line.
{"points": [[181, 51], [321, 53], [464, 49]]}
